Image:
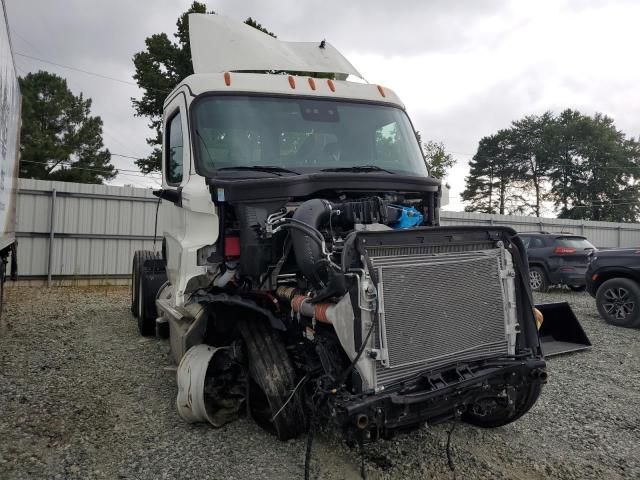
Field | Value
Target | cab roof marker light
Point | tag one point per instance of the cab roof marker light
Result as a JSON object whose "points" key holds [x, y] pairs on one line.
{"points": [[312, 83], [227, 79], [381, 90], [292, 82], [332, 86]]}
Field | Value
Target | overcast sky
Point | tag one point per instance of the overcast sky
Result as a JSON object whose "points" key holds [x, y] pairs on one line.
{"points": [[463, 68]]}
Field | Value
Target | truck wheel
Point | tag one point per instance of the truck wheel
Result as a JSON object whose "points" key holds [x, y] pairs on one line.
{"points": [[499, 415], [134, 284], [271, 382], [618, 302], [538, 280], [144, 294]]}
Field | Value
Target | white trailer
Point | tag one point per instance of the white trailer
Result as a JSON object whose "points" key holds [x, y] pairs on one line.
{"points": [[10, 105]]}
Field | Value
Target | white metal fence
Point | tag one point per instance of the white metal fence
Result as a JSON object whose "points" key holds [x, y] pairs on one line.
{"points": [[79, 231], [601, 234]]}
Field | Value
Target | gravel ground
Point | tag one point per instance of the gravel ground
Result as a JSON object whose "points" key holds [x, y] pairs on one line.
{"points": [[83, 396]]}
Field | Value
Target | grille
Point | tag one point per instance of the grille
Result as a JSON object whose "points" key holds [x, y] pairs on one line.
{"points": [[438, 309]]}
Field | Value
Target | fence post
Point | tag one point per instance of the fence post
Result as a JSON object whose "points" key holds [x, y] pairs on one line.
{"points": [[619, 236], [52, 234]]}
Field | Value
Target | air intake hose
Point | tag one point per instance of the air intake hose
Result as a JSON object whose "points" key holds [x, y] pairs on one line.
{"points": [[313, 212]]}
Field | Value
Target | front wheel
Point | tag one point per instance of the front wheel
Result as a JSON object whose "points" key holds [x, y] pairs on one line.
{"points": [[274, 398], [618, 302]]}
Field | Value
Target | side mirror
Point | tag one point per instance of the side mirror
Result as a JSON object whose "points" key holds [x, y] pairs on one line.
{"points": [[174, 196]]}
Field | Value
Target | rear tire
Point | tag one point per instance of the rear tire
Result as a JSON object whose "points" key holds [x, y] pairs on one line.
{"points": [[538, 280], [526, 398], [134, 284], [272, 380], [145, 298], [618, 302]]}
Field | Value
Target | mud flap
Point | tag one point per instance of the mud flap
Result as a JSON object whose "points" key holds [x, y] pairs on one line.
{"points": [[561, 331]]}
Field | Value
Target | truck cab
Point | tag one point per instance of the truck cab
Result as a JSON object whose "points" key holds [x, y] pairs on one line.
{"points": [[303, 271]]}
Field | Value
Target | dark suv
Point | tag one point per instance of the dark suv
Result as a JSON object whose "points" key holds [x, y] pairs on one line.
{"points": [[556, 258], [613, 278]]}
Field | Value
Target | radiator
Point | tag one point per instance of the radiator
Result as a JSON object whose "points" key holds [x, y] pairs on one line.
{"points": [[438, 309]]}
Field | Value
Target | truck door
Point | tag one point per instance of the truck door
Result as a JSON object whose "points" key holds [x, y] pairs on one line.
{"points": [[188, 213], [175, 173]]}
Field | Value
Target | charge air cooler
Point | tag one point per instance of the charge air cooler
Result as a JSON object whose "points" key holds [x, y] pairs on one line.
{"points": [[439, 307]]}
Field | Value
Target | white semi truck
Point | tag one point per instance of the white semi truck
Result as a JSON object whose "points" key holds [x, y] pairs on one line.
{"points": [[10, 105], [303, 271]]}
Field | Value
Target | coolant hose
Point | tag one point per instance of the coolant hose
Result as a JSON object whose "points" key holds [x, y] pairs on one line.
{"points": [[313, 212]]}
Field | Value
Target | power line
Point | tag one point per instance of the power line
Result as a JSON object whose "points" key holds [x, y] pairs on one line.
{"points": [[68, 163], [35, 49], [628, 168], [88, 72], [106, 77], [97, 170], [128, 156]]}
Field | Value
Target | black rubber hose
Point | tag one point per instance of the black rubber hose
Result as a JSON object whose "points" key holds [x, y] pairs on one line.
{"points": [[314, 213]]}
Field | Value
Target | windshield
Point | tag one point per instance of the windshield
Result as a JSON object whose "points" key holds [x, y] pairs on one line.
{"points": [[303, 135]]}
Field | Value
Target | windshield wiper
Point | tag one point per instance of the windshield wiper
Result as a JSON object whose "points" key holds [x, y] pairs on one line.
{"points": [[261, 168], [358, 168]]}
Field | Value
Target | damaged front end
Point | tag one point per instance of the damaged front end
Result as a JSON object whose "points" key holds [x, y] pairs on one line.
{"points": [[358, 309], [448, 330]]}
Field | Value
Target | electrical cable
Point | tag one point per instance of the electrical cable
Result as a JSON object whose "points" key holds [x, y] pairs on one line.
{"points": [[303, 380], [312, 229], [562, 165], [99, 170], [363, 469], [309, 447], [155, 224], [88, 72], [452, 466], [295, 226]]}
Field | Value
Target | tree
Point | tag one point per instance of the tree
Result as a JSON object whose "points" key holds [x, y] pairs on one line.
{"points": [[159, 69], [565, 136], [584, 165], [491, 186], [59, 138], [438, 161], [595, 177], [534, 148]]}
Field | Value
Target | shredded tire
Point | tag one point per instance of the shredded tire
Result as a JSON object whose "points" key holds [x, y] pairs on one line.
{"points": [[271, 371]]}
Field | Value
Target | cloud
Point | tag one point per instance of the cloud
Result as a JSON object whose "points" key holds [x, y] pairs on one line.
{"points": [[464, 69]]}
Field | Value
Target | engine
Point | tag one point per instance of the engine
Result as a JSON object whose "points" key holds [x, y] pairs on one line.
{"points": [[335, 273]]}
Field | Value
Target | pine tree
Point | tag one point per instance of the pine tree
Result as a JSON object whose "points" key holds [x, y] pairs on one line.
{"points": [[491, 181], [159, 68], [60, 140]]}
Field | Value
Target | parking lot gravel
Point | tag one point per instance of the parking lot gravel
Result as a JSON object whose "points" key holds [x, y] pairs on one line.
{"points": [[83, 396]]}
